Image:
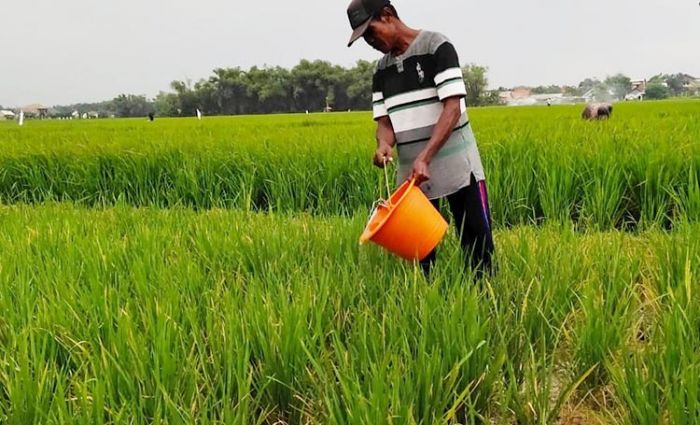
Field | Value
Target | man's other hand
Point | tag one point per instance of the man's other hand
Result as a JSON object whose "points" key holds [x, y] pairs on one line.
{"points": [[383, 155]]}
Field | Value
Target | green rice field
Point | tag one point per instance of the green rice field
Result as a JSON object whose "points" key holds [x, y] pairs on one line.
{"points": [[186, 271]]}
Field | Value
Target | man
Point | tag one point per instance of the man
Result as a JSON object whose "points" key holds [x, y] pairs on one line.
{"points": [[418, 101]]}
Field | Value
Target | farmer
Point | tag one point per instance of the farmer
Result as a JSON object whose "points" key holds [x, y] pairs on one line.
{"points": [[418, 102], [597, 111]]}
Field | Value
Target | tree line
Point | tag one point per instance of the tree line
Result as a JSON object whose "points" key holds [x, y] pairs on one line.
{"points": [[616, 87], [320, 85], [309, 86]]}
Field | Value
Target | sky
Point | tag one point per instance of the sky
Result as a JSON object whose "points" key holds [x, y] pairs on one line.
{"points": [[62, 52]]}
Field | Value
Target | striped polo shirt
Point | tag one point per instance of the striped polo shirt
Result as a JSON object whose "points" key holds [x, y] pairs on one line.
{"points": [[410, 89]]}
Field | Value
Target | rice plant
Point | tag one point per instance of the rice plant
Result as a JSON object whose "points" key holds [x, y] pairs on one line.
{"points": [[638, 170], [220, 316]]}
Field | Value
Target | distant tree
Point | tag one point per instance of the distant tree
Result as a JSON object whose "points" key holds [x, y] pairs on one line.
{"points": [[677, 83], [187, 101], [312, 82], [204, 96], [359, 80], [62, 111], [310, 85], [658, 78], [492, 98], [103, 109], [553, 89], [619, 84], [270, 89], [476, 82], [588, 84], [165, 104], [571, 91], [232, 94], [656, 91], [131, 106]]}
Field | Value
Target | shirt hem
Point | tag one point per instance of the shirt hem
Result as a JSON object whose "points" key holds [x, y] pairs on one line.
{"points": [[469, 182]]}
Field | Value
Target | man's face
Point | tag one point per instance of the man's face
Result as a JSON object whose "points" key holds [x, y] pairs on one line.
{"points": [[380, 34]]}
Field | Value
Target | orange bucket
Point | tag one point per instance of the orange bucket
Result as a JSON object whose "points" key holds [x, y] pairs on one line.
{"points": [[407, 224]]}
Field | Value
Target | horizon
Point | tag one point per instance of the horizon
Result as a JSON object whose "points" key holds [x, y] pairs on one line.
{"points": [[490, 88]]}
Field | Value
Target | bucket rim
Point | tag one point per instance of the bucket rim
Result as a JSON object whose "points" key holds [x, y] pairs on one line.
{"points": [[368, 234]]}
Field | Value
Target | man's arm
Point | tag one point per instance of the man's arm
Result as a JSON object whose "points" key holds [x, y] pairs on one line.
{"points": [[450, 89], [449, 118], [386, 139]]}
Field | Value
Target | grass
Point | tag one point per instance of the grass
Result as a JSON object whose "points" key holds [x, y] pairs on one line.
{"points": [[148, 315], [209, 272], [638, 170]]}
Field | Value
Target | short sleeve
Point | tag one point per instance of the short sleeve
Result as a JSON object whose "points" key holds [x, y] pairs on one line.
{"points": [[378, 108], [448, 74]]}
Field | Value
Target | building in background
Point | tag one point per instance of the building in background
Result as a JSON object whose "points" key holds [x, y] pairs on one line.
{"points": [[638, 90], [36, 110], [693, 87]]}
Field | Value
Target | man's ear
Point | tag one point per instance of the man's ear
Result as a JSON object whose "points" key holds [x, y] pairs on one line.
{"points": [[386, 16]]}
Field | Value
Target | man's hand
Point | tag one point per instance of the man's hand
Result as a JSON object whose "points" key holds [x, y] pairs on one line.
{"points": [[421, 170], [383, 155]]}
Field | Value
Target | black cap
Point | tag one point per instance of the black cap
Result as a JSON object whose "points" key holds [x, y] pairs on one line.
{"points": [[360, 13]]}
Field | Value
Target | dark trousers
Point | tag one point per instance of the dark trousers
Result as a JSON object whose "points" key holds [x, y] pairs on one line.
{"points": [[470, 208]]}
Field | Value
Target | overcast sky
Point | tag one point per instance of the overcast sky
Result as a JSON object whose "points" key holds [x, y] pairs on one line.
{"points": [[60, 52]]}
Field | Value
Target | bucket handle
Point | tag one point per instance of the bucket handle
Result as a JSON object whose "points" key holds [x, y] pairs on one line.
{"points": [[386, 201], [412, 183], [386, 180]]}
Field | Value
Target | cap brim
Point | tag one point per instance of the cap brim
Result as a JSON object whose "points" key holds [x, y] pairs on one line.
{"points": [[359, 31]]}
